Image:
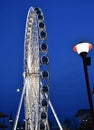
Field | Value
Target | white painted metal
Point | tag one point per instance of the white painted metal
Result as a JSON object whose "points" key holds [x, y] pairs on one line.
{"points": [[19, 108], [32, 77], [31, 71], [55, 115], [33, 81]]}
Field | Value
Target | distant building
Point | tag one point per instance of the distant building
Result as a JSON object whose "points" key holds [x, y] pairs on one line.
{"points": [[3, 125]]}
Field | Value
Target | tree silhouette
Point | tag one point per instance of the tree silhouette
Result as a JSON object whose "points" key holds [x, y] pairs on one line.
{"points": [[85, 119]]}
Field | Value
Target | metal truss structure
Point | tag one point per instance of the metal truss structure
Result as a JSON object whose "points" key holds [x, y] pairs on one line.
{"points": [[36, 74]]}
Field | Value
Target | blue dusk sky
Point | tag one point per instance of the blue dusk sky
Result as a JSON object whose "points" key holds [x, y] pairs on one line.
{"points": [[67, 22]]}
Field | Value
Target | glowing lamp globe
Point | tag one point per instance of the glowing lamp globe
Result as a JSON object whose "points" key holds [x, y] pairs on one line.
{"points": [[82, 47]]}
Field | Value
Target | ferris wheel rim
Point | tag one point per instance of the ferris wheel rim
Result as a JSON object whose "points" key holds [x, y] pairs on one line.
{"points": [[33, 42]]}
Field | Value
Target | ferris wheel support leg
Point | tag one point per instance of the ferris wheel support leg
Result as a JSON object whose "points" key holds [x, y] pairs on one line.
{"points": [[19, 108], [55, 115]]}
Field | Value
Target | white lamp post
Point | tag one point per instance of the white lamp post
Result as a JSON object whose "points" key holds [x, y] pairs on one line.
{"points": [[82, 49]]}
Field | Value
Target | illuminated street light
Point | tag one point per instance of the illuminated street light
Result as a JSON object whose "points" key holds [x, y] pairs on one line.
{"points": [[82, 49]]}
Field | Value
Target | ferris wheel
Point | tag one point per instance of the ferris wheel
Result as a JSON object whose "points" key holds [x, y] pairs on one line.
{"points": [[36, 71], [36, 74]]}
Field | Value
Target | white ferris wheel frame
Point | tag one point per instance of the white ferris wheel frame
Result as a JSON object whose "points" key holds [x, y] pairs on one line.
{"points": [[32, 77]]}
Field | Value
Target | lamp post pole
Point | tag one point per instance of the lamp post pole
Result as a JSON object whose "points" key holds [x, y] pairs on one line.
{"points": [[83, 55], [82, 49]]}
